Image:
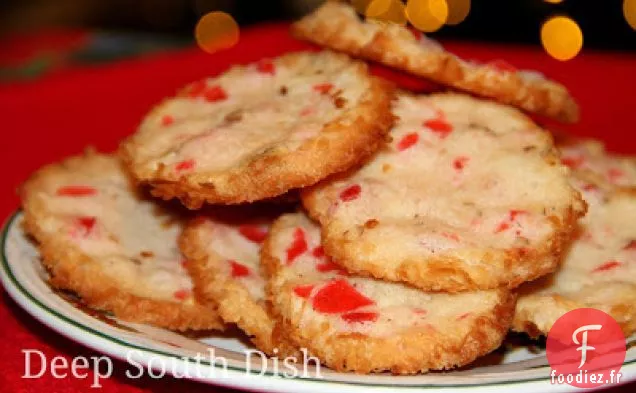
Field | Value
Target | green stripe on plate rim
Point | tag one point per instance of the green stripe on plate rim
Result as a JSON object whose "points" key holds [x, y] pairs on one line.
{"points": [[121, 343]]}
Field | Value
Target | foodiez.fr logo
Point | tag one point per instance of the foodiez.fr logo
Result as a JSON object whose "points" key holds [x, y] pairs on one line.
{"points": [[586, 348]]}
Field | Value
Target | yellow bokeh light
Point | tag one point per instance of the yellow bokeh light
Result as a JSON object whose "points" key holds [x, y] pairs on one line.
{"points": [[553, 1], [629, 11], [216, 31], [561, 37], [377, 8], [387, 11], [427, 15], [458, 10]]}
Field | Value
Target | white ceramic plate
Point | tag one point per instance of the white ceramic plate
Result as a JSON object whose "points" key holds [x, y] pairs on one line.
{"points": [[24, 279]]}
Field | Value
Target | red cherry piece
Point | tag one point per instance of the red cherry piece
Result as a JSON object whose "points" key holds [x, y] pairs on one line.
{"points": [[502, 65], [266, 66], [572, 162], [630, 246], [298, 246], [196, 89], [303, 290], [253, 233], [607, 266], [318, 252], [214, 93], [76, 191], [460, 162], [416, 33], [350, 193], [87, 224], [451, 236], [407, 141], [420, 311], [502, 227], [339, 296], [167, 120], [181, 294], [515, 213], [323, 88], [185, 165], [512, 216], [359, 317], [239, 270], [590, 187], [615, 174], [306, 111], [439, 126]]}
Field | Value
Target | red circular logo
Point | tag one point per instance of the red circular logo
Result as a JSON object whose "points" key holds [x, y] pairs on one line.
{"points": [[586, 348]]}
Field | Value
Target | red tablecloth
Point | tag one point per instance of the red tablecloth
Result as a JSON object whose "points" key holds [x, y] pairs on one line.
{"points": [[61, 114]]}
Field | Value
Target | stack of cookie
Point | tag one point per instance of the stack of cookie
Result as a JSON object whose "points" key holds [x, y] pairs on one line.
{"points": [[420, 215], [599, 269]]}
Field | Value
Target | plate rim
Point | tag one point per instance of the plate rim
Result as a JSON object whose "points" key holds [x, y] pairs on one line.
{"points": [[23, 298]]}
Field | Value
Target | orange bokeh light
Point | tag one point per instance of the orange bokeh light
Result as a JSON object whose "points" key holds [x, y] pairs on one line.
{"points": [[561, 37], [216, 31], [387, 11], [458, 10], [629, 11], [427, 15]]}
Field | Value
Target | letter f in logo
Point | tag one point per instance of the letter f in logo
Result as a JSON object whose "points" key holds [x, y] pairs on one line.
{"points": [[584, 347]]}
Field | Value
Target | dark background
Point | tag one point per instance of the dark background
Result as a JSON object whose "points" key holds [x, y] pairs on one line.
{"points": [[602, 21]]}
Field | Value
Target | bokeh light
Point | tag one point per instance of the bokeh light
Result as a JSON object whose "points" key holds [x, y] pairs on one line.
{"points": [[427, 15], [216, 31], [387, 11], [561, 37], [374, 8], [458, 10], [553, 1], [629, 11]]}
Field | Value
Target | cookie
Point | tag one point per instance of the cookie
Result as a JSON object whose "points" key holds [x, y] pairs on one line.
{"points": [[589, 159], [367, 325], [599, 270], [259, 130], [337, 26], [99, 238], [469, 195], [223, 254]]}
